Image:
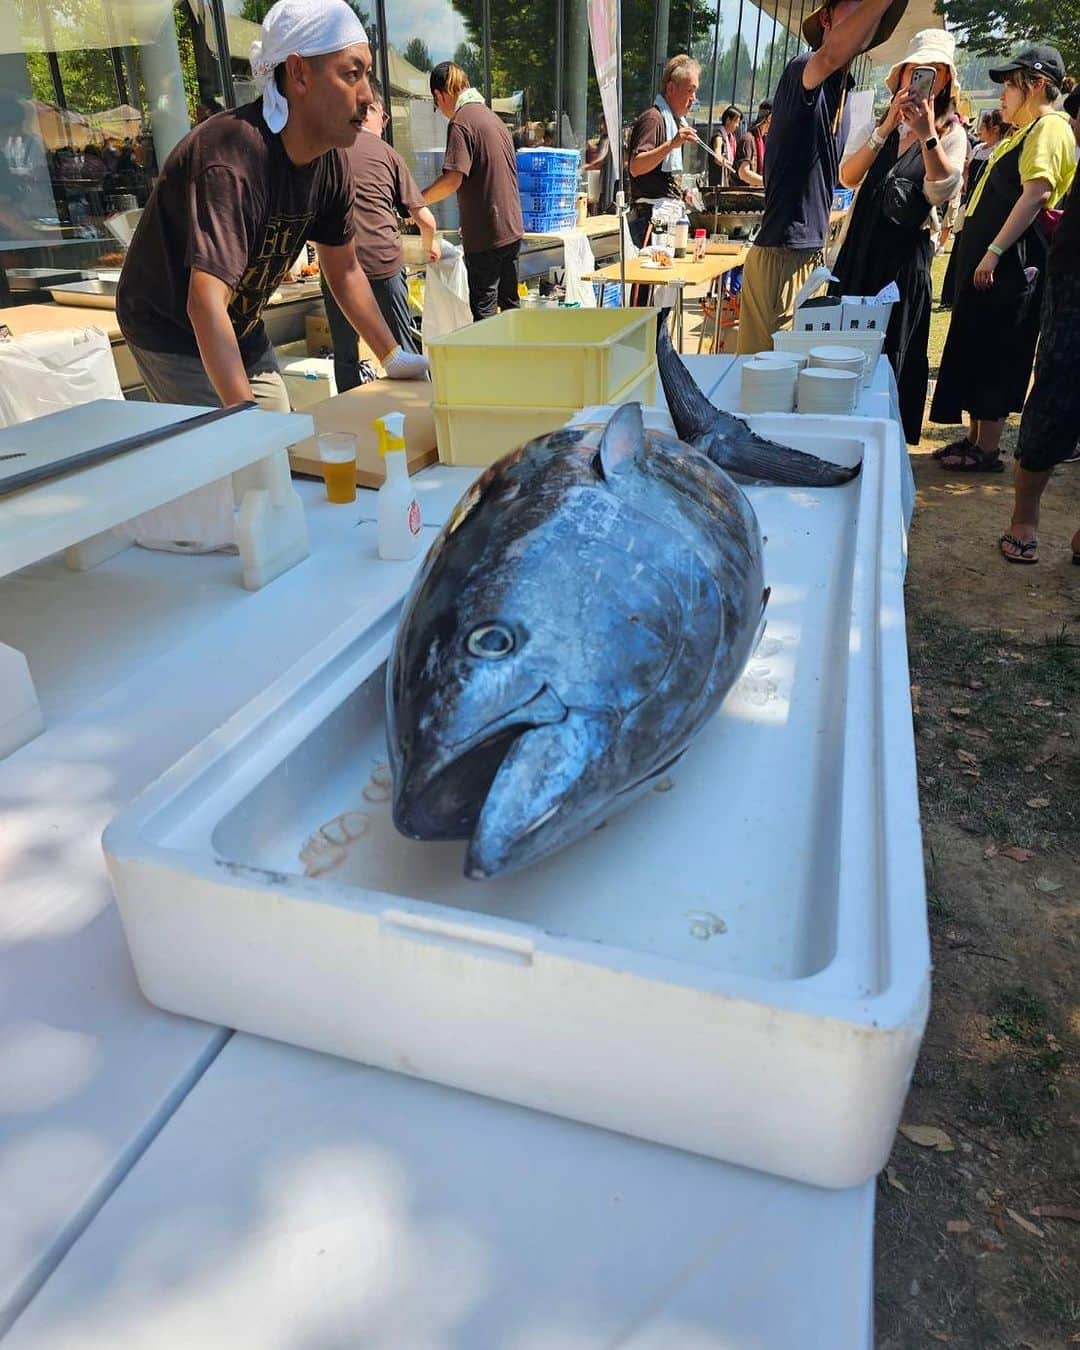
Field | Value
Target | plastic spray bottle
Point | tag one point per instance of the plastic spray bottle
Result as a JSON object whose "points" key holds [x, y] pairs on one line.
{"points": [[398, 518]]}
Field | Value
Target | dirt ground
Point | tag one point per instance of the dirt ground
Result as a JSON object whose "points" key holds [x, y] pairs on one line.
{"points": [[978, 1217]]}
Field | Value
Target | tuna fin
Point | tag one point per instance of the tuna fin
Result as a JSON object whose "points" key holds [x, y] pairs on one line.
{"points": [[694, 416], [728, 441], [623, 439], [752, 459]]}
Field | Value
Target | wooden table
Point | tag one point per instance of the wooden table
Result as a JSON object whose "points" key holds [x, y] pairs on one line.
{"points": [[681, 274]]}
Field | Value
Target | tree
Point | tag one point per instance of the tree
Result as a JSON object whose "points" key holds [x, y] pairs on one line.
{"points": [[416, 53], [993, 27], [471, 61]]}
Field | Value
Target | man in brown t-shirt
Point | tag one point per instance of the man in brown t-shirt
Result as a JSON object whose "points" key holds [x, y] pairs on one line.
{"points": [[385, 190], [480, 166], [236, 199], [654, 155]]}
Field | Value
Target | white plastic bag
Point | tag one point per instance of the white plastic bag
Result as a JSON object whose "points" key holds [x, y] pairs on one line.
{"points": [[44, 372], [446, 295]]}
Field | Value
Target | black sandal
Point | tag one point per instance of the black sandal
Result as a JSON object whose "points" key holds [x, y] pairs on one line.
{"points": [[974, 460], [1025, 548], [953, 448]]}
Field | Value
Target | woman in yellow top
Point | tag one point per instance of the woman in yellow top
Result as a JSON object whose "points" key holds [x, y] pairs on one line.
{"points": [[986, 364]]}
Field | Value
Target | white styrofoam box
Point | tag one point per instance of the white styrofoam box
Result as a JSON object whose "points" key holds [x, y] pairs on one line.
{"points": [[823, 314], [309, 380], [871, 343], [738, 966]]}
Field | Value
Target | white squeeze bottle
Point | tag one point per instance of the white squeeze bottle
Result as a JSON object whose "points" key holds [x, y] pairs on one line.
{"points": [[398, 517]]}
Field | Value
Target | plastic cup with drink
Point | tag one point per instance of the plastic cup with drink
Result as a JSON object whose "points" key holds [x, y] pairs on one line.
{"points": [[337, 451]]}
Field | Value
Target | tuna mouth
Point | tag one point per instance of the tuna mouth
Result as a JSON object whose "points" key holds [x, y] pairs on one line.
{"points": [[442, 797], [446, 802]]}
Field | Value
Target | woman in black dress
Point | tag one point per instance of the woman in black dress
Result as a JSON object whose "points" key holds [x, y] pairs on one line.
{"points": [[908, 165], [992, 127], [986, 364]]}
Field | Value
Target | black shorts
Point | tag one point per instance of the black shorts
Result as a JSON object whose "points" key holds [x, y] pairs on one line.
{"points": [[1050, 426]]}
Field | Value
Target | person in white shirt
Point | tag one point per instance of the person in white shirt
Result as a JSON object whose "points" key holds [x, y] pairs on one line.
{"points": [[905, 168]]}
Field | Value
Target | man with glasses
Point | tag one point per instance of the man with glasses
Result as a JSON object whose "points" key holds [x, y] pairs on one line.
{"points": [[385, 191], [657, 137]]}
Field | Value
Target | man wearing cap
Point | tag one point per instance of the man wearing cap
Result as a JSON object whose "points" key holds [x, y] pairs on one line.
{"points": [[801, 164], [236, 199]]}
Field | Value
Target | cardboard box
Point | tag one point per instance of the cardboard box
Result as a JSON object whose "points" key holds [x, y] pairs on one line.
{"points": [[862, 315], [355, 412], [320, 343]]}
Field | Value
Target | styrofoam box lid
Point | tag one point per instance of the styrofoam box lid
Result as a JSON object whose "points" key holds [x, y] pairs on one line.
{"points": [[310, 368]]}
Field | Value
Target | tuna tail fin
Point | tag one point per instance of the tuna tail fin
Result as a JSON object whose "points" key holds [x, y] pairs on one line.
{"points": [[751, 458], [694, 416], [728, 441]]}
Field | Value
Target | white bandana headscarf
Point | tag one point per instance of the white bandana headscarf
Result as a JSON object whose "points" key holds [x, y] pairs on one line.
{"points": [[306, 27]]}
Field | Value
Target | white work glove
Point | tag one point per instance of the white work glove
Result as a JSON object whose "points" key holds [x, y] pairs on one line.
{"points": [[401, 365]]}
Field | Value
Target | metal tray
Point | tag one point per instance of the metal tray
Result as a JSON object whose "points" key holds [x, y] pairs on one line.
{"points": [[90, 294], [41, 278]]}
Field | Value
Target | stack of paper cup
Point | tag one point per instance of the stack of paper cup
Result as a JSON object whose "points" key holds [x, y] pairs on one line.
{"points": [[839, 358], [828, 391], [768, 384]]}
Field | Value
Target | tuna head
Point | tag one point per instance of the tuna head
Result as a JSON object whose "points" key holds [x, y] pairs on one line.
{"points": [[538, 626]]}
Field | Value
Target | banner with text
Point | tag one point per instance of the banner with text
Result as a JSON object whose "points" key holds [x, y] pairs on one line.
{"points": [[604, 25]]}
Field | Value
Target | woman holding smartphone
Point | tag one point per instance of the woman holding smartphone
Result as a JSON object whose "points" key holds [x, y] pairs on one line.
{"points": [[905, 167], [986, 364]]}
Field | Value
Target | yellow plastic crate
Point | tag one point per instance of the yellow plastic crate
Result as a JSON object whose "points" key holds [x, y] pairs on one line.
{"points": [[481, 435], [533, 358]]}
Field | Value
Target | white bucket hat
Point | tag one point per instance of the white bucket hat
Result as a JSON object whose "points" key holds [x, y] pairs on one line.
{"points": [[930, 47]]}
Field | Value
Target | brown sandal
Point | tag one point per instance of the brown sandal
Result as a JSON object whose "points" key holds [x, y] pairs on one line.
{"points": [[953, 448], [974, 460]]}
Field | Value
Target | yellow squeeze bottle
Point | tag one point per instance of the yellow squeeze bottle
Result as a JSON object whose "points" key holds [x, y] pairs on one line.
{"points": [[397, 512]]}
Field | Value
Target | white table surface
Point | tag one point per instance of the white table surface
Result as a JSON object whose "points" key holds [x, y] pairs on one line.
{"points": [[241, 1193]]}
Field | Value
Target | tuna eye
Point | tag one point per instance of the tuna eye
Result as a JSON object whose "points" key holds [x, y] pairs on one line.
{"points": [[490, 641]]}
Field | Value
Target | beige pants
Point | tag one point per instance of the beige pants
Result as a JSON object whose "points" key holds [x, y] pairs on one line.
{"points": [[183, 379], [771, 280]]}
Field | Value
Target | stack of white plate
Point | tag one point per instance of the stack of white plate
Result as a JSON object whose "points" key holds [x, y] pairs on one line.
{"points": [[800, 359], [768, 385], [839, 358], [828, 391]]}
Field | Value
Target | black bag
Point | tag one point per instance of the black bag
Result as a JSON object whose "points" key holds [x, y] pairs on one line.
{"points": [[902, 199]]}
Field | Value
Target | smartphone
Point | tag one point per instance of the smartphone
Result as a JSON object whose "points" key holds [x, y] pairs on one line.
{"points": [[922, 81]]}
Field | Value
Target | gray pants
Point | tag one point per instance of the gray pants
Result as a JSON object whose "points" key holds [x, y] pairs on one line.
{"points": [[392, 296], [183, 379]]}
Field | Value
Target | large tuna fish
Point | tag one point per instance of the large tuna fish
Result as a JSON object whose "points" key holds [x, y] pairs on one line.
{"points": [[582, 614]]}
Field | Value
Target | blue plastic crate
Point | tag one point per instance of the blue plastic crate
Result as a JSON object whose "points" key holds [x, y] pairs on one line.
{"points": [[545, 160], [555, 182], [607, 294], [548, 222], [551, 203]]}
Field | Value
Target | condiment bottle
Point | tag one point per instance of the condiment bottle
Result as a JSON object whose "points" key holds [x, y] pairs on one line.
{"points": [[397, 512], [682, 234], [700, 245]]}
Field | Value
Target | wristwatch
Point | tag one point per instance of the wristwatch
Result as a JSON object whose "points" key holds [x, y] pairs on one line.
{"points": [[930, 143]]}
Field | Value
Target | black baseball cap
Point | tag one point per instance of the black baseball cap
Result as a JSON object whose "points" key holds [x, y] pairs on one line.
{"points": [[1038, 60]]}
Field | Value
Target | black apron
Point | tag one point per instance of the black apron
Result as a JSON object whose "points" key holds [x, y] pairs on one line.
{"points": [[986, 364], [875, 252]]}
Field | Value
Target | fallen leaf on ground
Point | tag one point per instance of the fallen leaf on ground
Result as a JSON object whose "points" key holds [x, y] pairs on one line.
{"points": [[940, 1336], [1025, 1224], [960, 712], [1020, 855], [958, 1226], [1048, 885], [894, 1181], [1037, 803], [1057, 1212], [970, 773], [1040, 703], [928, 1136], [991, 851], [966, 757], [916, 691]]}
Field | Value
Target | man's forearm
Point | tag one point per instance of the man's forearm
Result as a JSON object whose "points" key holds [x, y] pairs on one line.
{"points": [[647, 160], [444, 186], [220, 353], [352, 290], [425, 222], [850, 36]]}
